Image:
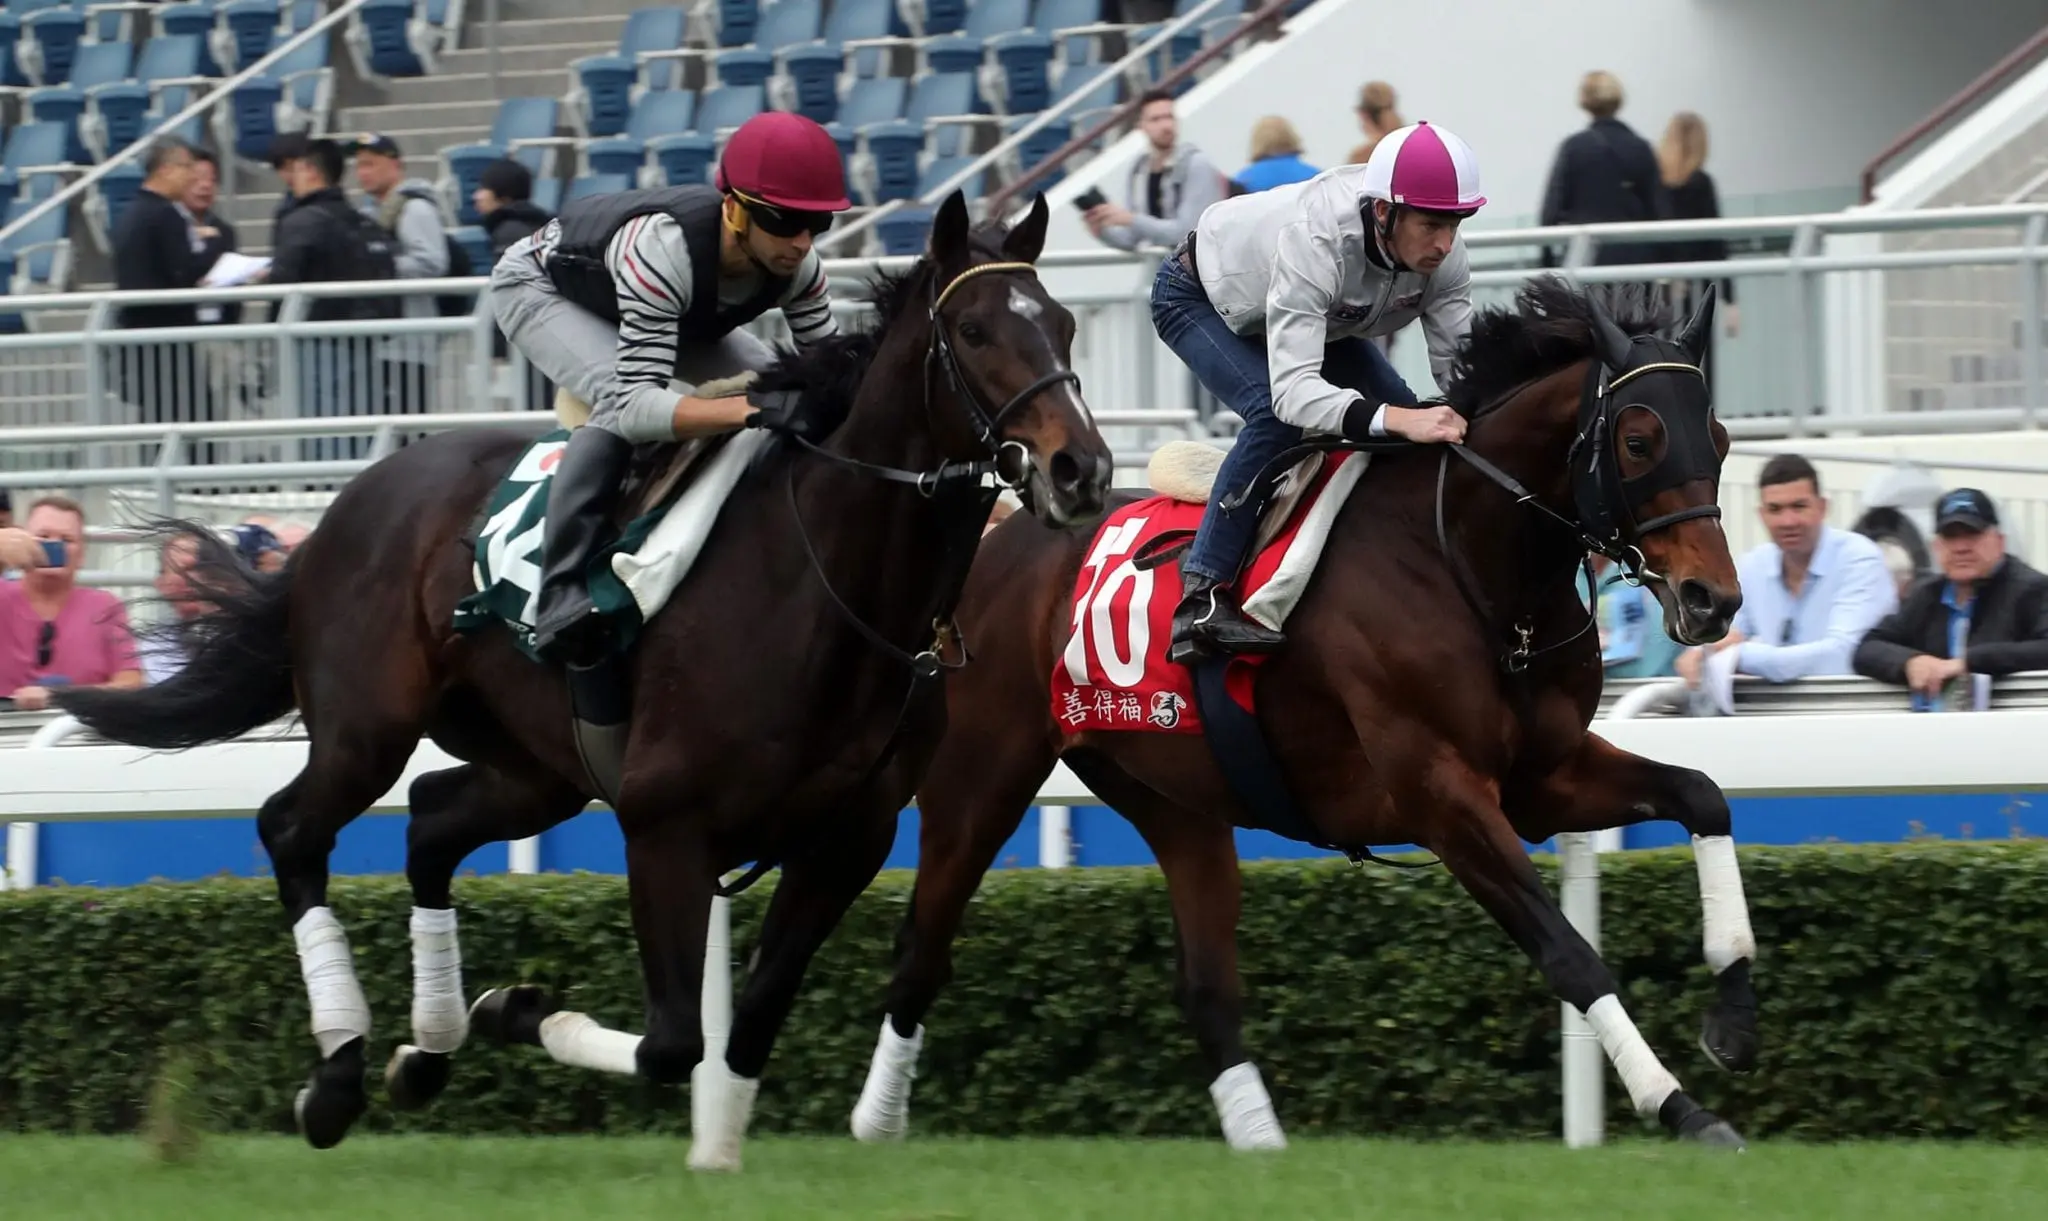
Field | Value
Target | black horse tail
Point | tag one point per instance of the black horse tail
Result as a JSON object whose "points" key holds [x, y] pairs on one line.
{"points": [[238, 675]]}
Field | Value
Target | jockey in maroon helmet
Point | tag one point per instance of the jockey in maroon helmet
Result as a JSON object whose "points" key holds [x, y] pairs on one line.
{"points": [[625, 295]]}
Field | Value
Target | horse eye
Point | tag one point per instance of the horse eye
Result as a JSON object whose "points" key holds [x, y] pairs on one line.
{"points": [[972, 333], [1638, 447]]}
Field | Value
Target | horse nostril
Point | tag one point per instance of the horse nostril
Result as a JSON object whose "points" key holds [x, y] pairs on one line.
{"points": [[1696, 598], [1066, 472]]}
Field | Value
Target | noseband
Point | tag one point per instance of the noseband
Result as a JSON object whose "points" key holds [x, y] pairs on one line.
{"points": [[984, 422]]}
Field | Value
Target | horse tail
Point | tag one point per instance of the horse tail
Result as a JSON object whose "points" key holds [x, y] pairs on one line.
{"points": [[239, 673]]}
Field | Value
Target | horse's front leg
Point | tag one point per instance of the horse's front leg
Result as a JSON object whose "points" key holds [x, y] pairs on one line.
{"points": [[1601, 786]]}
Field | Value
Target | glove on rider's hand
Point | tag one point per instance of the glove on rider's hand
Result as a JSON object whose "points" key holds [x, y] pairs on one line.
{"points": [[783, 411]]}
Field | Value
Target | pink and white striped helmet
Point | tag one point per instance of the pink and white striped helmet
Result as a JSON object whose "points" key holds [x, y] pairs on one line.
{"points": [[1424, 167]]}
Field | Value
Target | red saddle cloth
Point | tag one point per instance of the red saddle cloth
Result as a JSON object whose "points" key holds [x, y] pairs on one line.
{"points": [[1113, 673]]}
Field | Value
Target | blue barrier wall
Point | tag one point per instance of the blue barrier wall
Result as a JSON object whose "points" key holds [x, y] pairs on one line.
{"points": [[120, 854]]}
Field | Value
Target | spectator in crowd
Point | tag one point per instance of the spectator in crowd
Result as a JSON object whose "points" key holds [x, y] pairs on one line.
{"points": [[318, 241], [157, 249], [1378, 114], [504, 198], [212, 235], [257, 546], [1689, 190], [6, 509], [53, 632], [1167, 186], [286, 149], [161, 651], [410, 210], [1276, 156], [1633, 643], [1809, 595], [288, 533], [1985, 612], [1605, 173]]}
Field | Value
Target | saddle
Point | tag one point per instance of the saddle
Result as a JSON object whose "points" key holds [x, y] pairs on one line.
{"points": [[658, 470], [1186, 471]]}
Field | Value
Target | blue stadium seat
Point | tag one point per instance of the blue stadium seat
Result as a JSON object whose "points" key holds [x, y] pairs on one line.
{"points": [[95, 64], [116, 117], [10, 188], [598, 184], [34, 145], [944, 16], [252, 117], [943, 96], [655, 29], [744, 66], [108, 200], [942, 168], [171, 58], [1037, 146], [893, 151], [813, 72], [662, 113], [53, 35], [464, 165], [858, 21], [250, 30], [1024, 60], [305, 13], [195, 18], [11, 74], [848, 141], [527, 119], [1049, 16], [42, 250], [1096, 82], [905, 231], [727, 106], [475, 241], [988, 18], [380, 30], [785, 23], [873, 100], [684, 159], [547, 194], [308, 80], [952, 53], [606, 94], [737, 20]]}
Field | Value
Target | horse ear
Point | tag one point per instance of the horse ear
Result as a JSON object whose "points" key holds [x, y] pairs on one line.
{"points": [[1610, 342], [1024, 242], [1694, 337], [949, 231]]}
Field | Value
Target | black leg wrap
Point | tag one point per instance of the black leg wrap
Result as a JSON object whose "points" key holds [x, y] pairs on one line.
{"points": [[1729, 1035], [334, 1097], [1688, 1120], [416, 1078], [511, 1015]]}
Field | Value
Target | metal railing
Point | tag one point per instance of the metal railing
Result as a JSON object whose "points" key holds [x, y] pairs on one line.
{"points": [[1988, 82], [202, 105]]}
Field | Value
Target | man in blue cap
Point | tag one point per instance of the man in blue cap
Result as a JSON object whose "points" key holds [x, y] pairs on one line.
{"points": [[1984, 612]]}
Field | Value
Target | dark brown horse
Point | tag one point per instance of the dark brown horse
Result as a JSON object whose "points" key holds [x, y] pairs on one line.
{"points": [[1404, 708], [775, 716]]}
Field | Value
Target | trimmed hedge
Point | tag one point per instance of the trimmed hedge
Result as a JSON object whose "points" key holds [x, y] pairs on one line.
{"points": [[1904, 991]]}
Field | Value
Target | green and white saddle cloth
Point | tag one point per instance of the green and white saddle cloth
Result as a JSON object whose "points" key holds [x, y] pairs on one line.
{"points": [[630, 579]]}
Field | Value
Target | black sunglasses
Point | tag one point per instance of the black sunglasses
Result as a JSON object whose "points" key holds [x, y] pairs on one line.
{"points": [[44, 639], [781, 222]]}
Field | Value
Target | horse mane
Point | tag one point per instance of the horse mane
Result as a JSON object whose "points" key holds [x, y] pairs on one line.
{"points": [[829, 374], [1548, 327]]}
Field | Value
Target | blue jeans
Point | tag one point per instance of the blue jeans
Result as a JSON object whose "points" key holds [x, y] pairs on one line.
{"points": [[1233, 368]]}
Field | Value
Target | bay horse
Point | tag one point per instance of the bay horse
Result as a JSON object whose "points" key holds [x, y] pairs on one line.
{"points": [[784, 702], [1390, 710]]}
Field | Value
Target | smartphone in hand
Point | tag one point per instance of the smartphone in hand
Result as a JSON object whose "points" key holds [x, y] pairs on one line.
{"points": [[53, 552], [1092, 197]]}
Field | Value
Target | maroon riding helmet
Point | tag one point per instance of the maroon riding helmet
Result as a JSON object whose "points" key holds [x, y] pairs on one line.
{"points": [[788, 172]]}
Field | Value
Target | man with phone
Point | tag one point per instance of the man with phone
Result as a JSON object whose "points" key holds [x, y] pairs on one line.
{"points": [[1165, 190], [54, 632]]}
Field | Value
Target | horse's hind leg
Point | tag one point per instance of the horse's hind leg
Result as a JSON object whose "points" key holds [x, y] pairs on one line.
{"points": [[973, 799], [455, 812], [1198, 855], [1603, 786], [812, 897], [343, 775], [1470, 833]]}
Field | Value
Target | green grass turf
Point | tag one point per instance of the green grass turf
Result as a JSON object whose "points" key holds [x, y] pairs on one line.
{"points": [[453, 1179]]}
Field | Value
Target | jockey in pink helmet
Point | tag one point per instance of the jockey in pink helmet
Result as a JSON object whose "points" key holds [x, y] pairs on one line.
{"points": [[1272, 301]]}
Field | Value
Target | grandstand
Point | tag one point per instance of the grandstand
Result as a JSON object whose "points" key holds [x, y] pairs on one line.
{"points": [[598, 97]]}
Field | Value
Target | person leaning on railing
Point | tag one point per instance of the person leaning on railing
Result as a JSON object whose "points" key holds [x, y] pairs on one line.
{"points": [[1985, 612]]}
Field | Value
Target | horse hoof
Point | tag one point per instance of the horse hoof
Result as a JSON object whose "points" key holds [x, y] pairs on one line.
{"points": [[1689, 1121], [511, 1015], [333, 1098], [414, 1078], [1729, 1038]]}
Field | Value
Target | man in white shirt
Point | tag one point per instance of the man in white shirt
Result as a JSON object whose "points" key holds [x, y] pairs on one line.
{"points": [[1809, 595]]}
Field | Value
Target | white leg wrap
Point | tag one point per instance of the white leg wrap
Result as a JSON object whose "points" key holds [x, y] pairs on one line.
{"points": [[1649, 1083], [440, 1018], [1725, 913], [1246, 1109], [576, 1038], [883, 1112], [340, 1011], [721, 1105]]}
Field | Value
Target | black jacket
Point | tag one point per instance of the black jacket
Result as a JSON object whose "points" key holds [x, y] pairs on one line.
{"points": [[153, 250], [1606, 173], [1696, 199], [311, 247], [2008, 626], [516, 220]]}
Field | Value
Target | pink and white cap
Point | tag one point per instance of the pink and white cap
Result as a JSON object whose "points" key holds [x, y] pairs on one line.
{"points": [[1424, 167]]}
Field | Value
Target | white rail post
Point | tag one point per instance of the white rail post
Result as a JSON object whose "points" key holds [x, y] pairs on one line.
{"points": [[24, 839], [1584, 1064], [1055, 837]]}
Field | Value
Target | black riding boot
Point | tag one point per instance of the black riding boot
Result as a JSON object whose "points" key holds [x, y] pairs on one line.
{"points": [[1209, 620], [567, 626]]}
